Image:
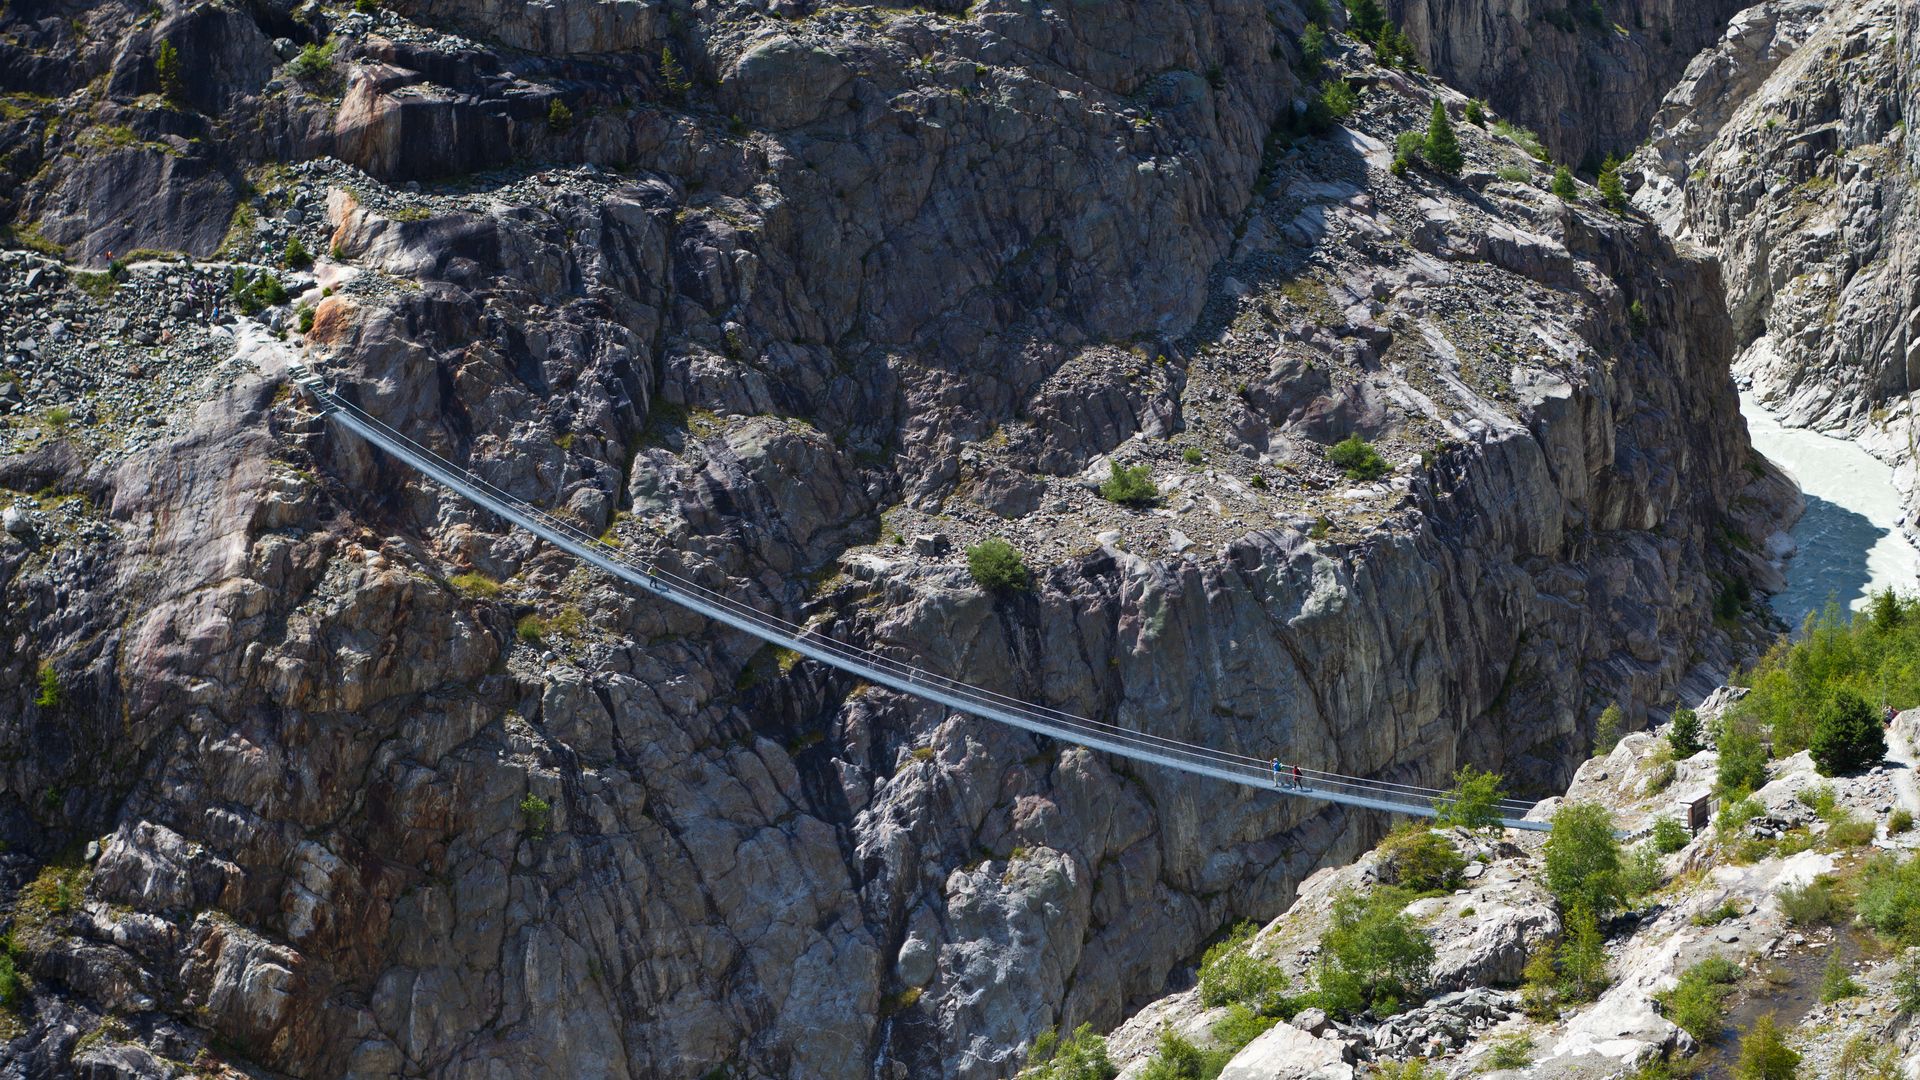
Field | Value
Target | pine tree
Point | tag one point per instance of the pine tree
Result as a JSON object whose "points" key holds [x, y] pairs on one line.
{"points": [[1443, 147], [166, 67], [1612, 191], [673, 74], [1365, 18], [1563, 184]]}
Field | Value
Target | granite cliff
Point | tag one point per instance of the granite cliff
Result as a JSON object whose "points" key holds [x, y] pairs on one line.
{"points": [[308, 768]]}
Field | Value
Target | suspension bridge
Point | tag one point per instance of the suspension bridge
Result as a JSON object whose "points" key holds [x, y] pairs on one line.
{"points": [[1198, 759]]}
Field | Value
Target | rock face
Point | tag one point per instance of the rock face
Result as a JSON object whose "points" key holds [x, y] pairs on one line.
{"points": [[1585, 76], [1787, 150], [375, 787]]}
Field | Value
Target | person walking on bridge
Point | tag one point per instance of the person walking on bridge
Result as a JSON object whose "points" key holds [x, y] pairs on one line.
{"points": [[1276, 772], [1296, 777]]}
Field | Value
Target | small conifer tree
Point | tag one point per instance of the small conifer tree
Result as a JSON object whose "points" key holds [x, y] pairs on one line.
{"points": [[1443, 146]]}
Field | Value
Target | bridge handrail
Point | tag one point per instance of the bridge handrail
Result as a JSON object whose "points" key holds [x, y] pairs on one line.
{"points": [[876, 667]]}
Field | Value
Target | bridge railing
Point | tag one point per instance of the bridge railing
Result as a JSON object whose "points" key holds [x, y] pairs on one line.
{"points": [[877, 667]]}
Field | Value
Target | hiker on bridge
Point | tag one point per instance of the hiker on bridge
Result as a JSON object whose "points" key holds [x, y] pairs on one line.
{"points": [[1276, 772]]}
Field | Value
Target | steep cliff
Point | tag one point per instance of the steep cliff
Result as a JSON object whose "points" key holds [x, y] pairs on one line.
{"points": [[1786, 150], [308, 765], [1586, 75]]}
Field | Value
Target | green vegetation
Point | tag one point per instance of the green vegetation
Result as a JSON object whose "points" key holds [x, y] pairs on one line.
{"points": [[1607, 730], [531, 629], [1080, 1056], [1875, 655], [1698, 1002], [1612, 191], [256, 290], [1836, 981], [1642, 874], [1129, 486], [365, 7], [475, 585], [997, 567], [1670, 836], [1313, 50], [1583, 859], [1889, 900], [315, 62], [1514, 174], [1192, 455], [296, 255], [1527, 139], [1357, 458], [1683, 734], [1476, 112], [13, 988], [1421, 860], [1410, 1069], [303, 319], [1765, 1055], [1406, 152], [59, 417], [1511, 1052], [1906, 982], [559, 117], [1230, 973], [1365, 18], [1372, 957], [1899, 821], [1563, 186], [672, 75], [537, 813], [1583, 956], [1178, 1059], [1743, 756], [49, 693], [1442, 146], [1474, 801], [1846, 735], [166, 69]]}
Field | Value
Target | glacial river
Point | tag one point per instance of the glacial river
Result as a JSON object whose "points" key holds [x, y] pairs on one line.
{"points": [[1850, 544]]}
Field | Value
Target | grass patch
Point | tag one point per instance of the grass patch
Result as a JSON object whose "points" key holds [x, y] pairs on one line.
{"points": [[474, 585]]}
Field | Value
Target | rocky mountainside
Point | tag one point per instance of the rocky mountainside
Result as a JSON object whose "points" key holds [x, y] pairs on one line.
{"points": [[1754, 908], [309, 769], [1786, 151], [1587, 75]]}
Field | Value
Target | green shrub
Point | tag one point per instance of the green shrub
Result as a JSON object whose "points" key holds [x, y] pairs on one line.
{"points": [[1583, 858], [672, 74], [303, 319], [1177, 1059], [1606, 730], [1313, 50], [1698, 1002], [13, 988], [1735, 814], [1081, 1056], [538, 814], [531, 629], [166, 69], [314, 63], [1365, 18], [474, 585], [1846, 736], [1817, 902], [1514, 174], [256, 290], [1719, 913], [1406, 152], [1899, 821], [1683, 734], [1230, 973], [1906, 982], [1540, 986], [1612, 191], [559, 117], [997, 567], [1474, 801], [1192, 455], [1743, 757], [365, 7], [1129, 486], [1410, 1069], [1422, 860], [1583, 957], [1563, 185], [1836, 981], [1642, 874], [1240, 1026], [1889, 900], [1476, 112], [1670, 836], [1511, 1052], [1357, 458], [1764, 1054], [1371, 957], [1443, 146], [1846, 831], [49, 693], [1527, 139], [297, 256]]}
